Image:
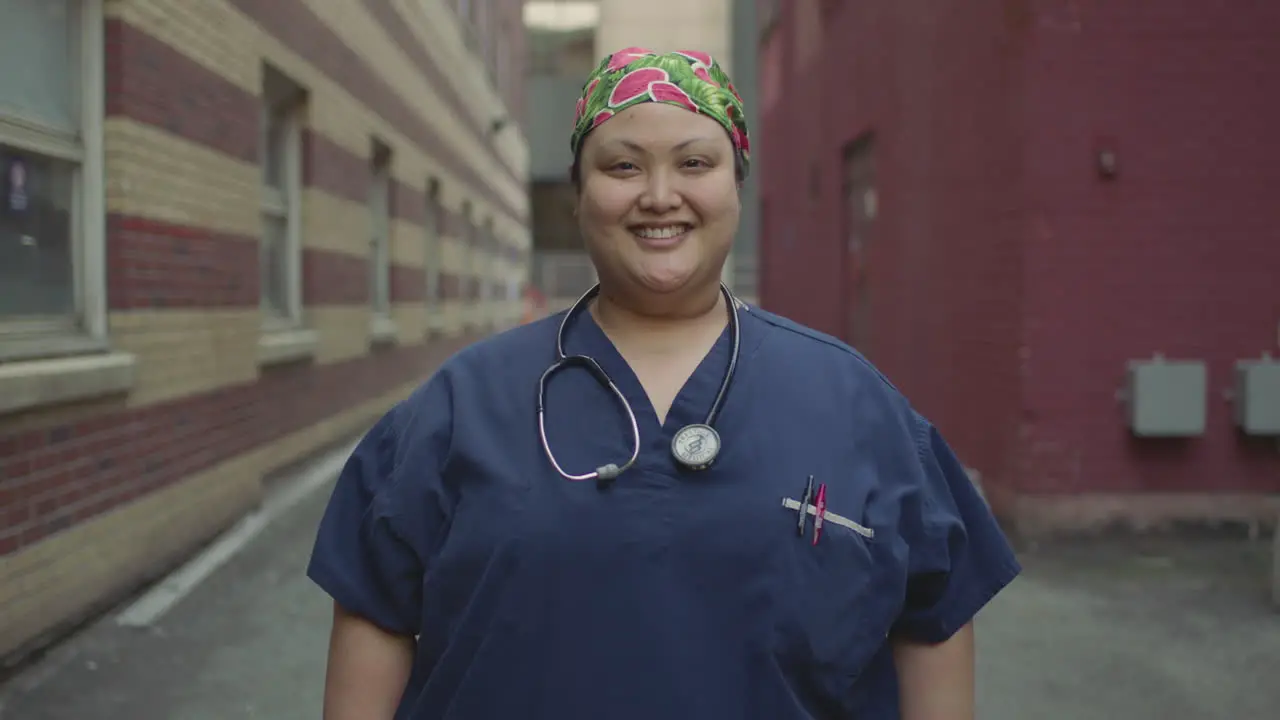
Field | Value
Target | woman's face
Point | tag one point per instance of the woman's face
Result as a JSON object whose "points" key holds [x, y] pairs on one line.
{"points": [[658, 203]]}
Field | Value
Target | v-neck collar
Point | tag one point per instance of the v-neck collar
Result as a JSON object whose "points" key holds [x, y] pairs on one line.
{"points": [[584, 336]]}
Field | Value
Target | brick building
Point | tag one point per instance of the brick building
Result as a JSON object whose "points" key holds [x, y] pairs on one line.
{"points": [[232, 232], [1004, 203]]}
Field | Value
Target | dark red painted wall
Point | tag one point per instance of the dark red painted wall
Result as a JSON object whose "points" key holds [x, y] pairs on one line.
{"points": [[1178, 255], [1009, 283]]}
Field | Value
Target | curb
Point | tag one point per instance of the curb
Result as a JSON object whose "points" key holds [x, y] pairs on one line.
{"points": [[170, 590]]}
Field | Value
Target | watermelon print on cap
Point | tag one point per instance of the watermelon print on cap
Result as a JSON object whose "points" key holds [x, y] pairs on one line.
{"points": [[687, 78]]}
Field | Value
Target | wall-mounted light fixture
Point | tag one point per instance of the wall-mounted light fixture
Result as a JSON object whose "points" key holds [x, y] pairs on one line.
{"points": [[1107, 158], [1108, 164]]}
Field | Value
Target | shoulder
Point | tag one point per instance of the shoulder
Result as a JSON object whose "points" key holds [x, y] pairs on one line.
{"points": [[804, 338], [827, 376], [813, 356]]}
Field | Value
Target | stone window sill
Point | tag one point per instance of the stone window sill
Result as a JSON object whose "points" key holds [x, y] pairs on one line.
{"points": [[286, 346], [436, 324], [37, 383], [383, 331]]}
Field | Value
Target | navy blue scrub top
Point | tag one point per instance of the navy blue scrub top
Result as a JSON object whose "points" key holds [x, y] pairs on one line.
{"points": [[671, 594]]}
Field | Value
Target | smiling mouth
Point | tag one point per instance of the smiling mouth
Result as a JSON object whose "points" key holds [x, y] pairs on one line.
{"points": [[665, 232]]}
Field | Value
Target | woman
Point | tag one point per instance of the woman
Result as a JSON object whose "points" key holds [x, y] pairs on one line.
{"points": [[796, 543]]}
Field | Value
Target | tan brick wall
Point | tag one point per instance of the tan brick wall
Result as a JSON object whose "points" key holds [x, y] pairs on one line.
{"points": [[155, 174], [187, 174], [44, 586], [342, 225], [237, 56], [184, 352], [334, 224]]}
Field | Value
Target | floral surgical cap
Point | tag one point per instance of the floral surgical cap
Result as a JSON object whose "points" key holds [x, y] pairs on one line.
{"points": [[689, 79]]}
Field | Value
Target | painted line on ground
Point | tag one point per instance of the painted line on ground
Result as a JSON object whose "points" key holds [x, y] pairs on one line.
{"points": [[167, 593]]}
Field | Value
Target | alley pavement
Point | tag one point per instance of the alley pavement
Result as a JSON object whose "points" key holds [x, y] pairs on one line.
{"points": [[1107, 630]]}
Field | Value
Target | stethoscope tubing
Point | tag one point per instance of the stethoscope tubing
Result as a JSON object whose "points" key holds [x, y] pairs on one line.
{"points": [[612, 470]]}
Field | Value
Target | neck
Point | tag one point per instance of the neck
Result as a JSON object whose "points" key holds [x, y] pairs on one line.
{"points": [[623, 317]]}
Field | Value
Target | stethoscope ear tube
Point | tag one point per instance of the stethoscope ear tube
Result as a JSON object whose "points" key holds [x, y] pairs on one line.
{"points": [[604, 473]]}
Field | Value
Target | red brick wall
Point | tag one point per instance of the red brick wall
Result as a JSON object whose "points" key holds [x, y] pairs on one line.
{"points": [[1009, 284], [1177, 255], [153, 264], [152, 82], [939, 91]]}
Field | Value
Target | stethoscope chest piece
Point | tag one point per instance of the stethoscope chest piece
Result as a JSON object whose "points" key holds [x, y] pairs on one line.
{"points": [[696, 446]]}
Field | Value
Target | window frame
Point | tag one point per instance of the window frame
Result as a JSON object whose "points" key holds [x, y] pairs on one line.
{"points": [[85, 330], [286, 201], [467, 277], [433, 248], [381, 188], [488, 266]]}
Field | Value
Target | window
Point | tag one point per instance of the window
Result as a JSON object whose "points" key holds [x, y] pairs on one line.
{"points": [[433, 255], [380, 222], [488, 266], [467, 279], [52, 274], [280, 254]]}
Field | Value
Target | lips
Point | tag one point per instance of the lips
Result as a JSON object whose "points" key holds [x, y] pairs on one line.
{"points": [[660, 236], [663, 232]]}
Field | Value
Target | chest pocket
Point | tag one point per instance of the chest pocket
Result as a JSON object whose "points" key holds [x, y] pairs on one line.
{"points": [[836, 601]]}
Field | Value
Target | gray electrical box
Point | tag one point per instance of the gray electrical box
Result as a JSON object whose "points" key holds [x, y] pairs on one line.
{"points": [[1167, 398], [1257, 400]]}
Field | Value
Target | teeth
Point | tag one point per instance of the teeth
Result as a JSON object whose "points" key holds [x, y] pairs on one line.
{"points": [[661, 233]]}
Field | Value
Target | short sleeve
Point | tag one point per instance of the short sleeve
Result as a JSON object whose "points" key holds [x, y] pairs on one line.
{"points": [[375, 536], [958, 557]]}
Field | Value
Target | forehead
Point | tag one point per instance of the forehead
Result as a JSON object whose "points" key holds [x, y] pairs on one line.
{"points": [[656, 126]]}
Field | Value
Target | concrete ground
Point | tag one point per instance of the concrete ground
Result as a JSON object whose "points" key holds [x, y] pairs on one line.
{"points": [[1114, 630]]}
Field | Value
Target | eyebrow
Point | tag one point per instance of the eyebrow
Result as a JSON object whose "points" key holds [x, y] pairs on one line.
{"points": [[636, 147]]}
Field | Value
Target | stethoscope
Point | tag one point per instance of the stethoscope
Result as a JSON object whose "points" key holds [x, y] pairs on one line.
{"points": [[694, 446]]}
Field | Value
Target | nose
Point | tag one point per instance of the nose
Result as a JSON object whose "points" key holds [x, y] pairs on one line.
{"points": [[661, 194]]}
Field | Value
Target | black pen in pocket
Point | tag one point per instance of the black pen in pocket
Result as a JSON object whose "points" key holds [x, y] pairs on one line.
{"points": [[804, 507]]}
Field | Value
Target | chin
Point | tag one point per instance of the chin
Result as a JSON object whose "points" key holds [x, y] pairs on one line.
{"points": [[666, 281]]}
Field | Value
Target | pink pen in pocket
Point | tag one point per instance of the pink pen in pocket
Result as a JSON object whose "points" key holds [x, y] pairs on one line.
{"points": [[820, 510]]}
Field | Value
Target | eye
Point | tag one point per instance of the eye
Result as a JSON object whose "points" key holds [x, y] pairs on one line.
{"points": [[622, 166], [696, 164]]}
